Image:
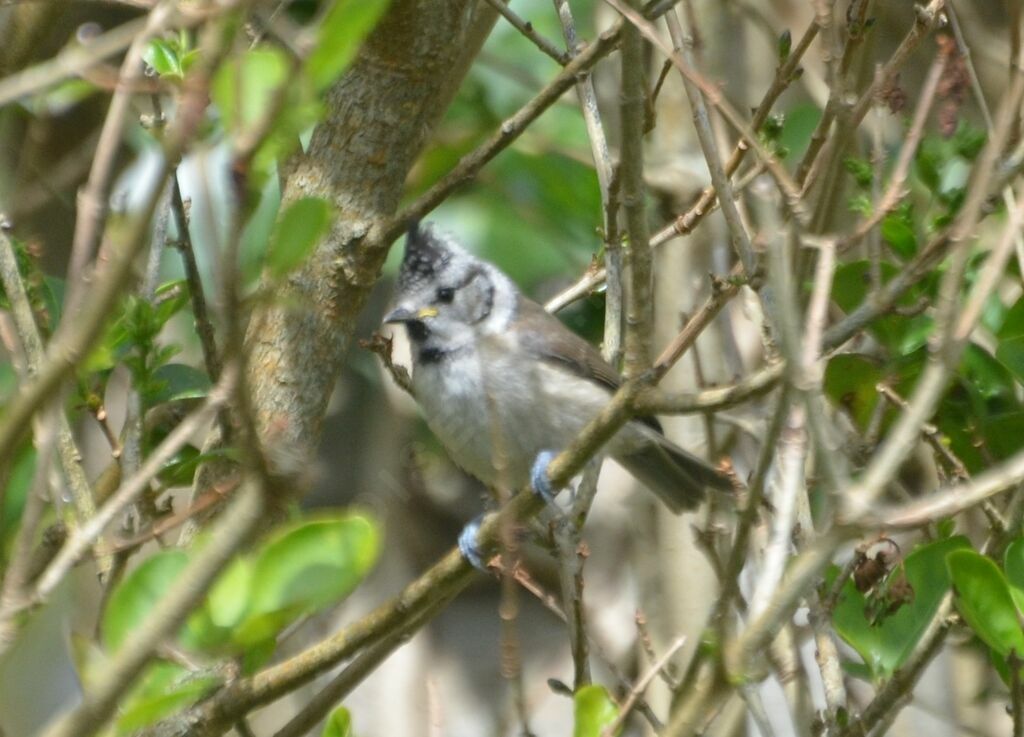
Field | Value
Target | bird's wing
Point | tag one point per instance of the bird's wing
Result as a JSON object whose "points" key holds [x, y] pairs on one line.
{"points": [[545, 337]]}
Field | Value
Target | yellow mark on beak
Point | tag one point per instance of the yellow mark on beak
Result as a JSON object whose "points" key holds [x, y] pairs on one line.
{"points": [[426, 312]]}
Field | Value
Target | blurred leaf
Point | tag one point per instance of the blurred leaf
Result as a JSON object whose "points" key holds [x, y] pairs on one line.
{"points": [[1010, 349], [1014, 565], [850, 288], [299, 230], [8, 383], [16, 492], [983, 600], [338, 724], [594, 711], [885, 646], [861, 171], [850, 382], [62, 98], [164, 689], [163, 58], [898, 232], [785, 45], [135, 596], [211, 626], [985, 374], [180, 381], [347, 23], [303, 569], [969, 140], [245, 86], [796, 131]]}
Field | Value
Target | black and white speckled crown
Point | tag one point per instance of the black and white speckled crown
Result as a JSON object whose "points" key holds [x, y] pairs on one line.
{"points": [[425, 255]]}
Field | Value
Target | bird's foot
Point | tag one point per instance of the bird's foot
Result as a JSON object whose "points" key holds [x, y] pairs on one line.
{"points": [[469, 544], [539, 479]]}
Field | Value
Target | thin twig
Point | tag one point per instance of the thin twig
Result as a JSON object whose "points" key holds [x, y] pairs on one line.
{"points": [[32, 344], [75, 337], [705, 136], [204, 327], [69, 62], [526, 28], [641, 685], [894, 192], [788, 187], [951, 329], [639, 302], [655, 401], [91, 207], [509, 131], [85, 536], [17, 574]]}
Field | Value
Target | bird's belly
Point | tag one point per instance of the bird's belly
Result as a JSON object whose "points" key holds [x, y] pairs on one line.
{"points": [[495, 428]]}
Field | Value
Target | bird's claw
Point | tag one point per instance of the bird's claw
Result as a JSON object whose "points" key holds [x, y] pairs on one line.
{"points": [[469, 544], [539, 479]]}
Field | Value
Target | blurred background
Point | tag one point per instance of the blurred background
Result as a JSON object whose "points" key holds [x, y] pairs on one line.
{"points": [[535, 211]]}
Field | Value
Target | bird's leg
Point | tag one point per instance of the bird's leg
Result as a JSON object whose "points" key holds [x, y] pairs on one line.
{"points": [[469, 544], [539, 479]]}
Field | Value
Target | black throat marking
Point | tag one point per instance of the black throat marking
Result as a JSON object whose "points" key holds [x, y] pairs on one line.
{"points": [[433, 355]]}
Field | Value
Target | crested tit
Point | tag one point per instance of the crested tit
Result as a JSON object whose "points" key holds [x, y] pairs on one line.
{"points": [[500, 380]]}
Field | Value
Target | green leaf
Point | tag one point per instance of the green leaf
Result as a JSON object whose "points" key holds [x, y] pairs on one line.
{"points": [[899, 233], [594, 711], [246, 84], [885, 646], [211, 627], [785, 45], [339, 723], [984, 601], [179, 381], [347, 23], [861, 170], [135, 596], [299, 230], [305, 568], [850, 382], [1014, 565], [1010, 349], [164, 689], [163, 58], [17, 487]]}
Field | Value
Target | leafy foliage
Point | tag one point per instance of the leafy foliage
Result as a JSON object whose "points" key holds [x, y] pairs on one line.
{"points": [[297, 571]]}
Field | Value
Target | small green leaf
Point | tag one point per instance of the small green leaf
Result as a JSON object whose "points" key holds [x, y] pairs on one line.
{"points": [[342, 32], [984, 601], [860, 169], [163, 58], [135, 596], [303, 569], [338, 724], [785, 45], [164, 689], [1010, 348], [899, 234], [299, 230], [594, 711], [850, 382], [212, 625], [1014, 565], [246, 84], [885, 646], [179, 381]]}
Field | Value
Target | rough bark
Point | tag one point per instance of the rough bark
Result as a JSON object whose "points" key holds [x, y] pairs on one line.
{"points": [[380, 115]]}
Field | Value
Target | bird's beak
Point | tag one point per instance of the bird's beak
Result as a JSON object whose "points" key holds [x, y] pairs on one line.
{"points": [[404, 314]]}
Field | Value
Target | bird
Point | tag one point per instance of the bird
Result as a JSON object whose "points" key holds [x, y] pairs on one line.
{"points": [[503, 383]]}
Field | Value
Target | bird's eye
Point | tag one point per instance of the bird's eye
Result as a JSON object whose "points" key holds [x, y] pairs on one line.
{"points": [[445, 295]]}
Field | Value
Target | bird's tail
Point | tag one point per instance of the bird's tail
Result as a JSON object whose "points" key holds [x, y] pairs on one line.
{"points": [[678, 478]]}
